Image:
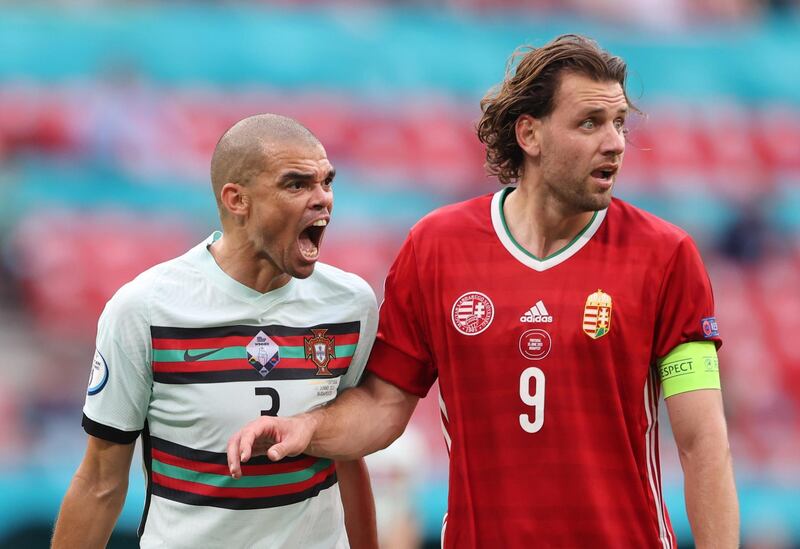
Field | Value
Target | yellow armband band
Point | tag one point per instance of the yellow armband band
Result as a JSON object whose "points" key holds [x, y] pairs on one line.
{"points": [[689, 367]]}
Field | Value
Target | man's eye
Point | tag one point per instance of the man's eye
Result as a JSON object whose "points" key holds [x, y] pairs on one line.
{"points": [[587, 124], [296, 185], [619, 123]]}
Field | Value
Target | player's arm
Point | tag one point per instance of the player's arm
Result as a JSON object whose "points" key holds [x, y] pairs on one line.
{"points": [[94, 499], [690, 380], [358, 503], [701, 436], [360, 421]]}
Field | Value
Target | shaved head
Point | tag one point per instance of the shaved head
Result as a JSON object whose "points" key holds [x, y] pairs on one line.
{"points": [[244, 150]]}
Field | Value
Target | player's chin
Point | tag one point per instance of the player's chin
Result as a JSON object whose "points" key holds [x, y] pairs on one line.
{"points": [[302, 269], [302, 265], [601, 198], [304, 272]]}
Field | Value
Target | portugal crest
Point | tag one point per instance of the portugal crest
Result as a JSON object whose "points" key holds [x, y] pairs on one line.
{"points": [[320, 350], [597, 315]]}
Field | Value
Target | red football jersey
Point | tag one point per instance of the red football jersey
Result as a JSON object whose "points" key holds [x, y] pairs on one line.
{"points": [[546, 369]]}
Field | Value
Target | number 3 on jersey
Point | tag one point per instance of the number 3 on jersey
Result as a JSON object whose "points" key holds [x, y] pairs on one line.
{"points": [[535, 400], [275, 400]]}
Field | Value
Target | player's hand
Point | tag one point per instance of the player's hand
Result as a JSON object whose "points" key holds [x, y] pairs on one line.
{"points": [[277, 437]]}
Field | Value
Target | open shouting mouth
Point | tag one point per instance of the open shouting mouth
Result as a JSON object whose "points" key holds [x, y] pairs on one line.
{"points": [[310, 239]]}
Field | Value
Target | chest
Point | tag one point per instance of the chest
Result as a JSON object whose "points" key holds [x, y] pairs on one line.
{"points": [[212, 379], [589, 320], [486, 290]]}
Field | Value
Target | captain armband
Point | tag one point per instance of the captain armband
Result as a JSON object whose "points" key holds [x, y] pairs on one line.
{"points": [[689, 367]]}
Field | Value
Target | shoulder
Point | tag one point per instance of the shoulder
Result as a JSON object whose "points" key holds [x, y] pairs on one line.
{"points": [[334, 280], [134, 297], [643, 226], [631, 232]]}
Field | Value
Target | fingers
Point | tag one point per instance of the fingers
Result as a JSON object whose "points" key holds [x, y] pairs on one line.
{"points": [[277, 452], [242, 444], [246, 442], [240, 450], [234, 464], [259, 434], [294, 441]]}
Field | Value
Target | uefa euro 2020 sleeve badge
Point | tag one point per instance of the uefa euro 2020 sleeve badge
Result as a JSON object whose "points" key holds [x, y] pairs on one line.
{"points": [[597, 315], [320, 350]]}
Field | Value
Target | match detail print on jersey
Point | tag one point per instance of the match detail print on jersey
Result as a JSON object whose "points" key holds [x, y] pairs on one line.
{"points": [[535, 344], [263, 353], [252, 353], [472, 313]]}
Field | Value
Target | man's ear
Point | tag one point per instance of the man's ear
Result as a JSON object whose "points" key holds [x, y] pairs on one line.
{"points": [[234, 199], [529, 133]]}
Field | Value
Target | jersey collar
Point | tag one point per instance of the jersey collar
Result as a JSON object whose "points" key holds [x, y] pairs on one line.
{"points": [[524, 256], [208, 265]]}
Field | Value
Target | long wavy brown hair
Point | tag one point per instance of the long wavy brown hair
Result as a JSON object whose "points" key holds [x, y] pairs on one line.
{"points": [[531, 82]]}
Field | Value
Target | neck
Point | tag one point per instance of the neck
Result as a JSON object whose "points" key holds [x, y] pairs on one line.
{"points": [[540, 222], [239, 260]]}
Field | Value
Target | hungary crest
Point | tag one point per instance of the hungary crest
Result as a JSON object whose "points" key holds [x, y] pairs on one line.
{"points": [[597, 315], [320, 350]]}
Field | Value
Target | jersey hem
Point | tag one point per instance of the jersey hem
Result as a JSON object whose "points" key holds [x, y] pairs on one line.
{"points": [[110, 434], [383, 353]]}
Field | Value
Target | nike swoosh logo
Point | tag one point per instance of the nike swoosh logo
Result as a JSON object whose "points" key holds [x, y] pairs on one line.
{"points": [[188, 357]]}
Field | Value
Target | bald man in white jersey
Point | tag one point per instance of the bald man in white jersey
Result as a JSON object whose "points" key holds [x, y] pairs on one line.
{"points": [[246, 323]]}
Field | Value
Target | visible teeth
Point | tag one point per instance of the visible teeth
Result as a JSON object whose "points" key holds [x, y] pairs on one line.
{"points": [[319, 223], [311, 252]]}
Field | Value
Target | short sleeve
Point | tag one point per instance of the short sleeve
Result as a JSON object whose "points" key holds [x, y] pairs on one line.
{"points": [[368, 315], [401, 354], [685, 303], [120, 383]]}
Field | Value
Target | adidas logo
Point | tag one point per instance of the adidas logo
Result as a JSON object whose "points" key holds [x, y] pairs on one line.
{"points": [[538, 313]]}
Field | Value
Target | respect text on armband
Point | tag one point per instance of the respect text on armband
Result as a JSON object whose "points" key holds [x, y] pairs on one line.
{"points": [[685, 366], [676, 368]]}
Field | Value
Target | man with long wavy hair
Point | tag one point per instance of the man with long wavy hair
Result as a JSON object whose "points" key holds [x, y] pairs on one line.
{"points": [[554, 316]]}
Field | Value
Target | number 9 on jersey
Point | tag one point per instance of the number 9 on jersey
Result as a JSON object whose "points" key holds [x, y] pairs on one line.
{"points": [[535, 400]]}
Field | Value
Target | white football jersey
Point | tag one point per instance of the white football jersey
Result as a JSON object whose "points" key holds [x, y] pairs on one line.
{"points": [[186, 356]]}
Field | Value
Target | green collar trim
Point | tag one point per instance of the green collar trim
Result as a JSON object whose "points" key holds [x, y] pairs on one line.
{"points": [[523, 255]]}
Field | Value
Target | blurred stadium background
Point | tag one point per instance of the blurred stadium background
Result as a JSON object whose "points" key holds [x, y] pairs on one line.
{"points": [[109, 112]]}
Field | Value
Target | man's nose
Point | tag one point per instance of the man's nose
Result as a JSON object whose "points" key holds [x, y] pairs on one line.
{"points": [[322, 197], [613, 141]]}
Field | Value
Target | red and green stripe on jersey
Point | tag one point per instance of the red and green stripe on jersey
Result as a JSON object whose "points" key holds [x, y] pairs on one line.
{"points": [[220, 354], [199, 477]]}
